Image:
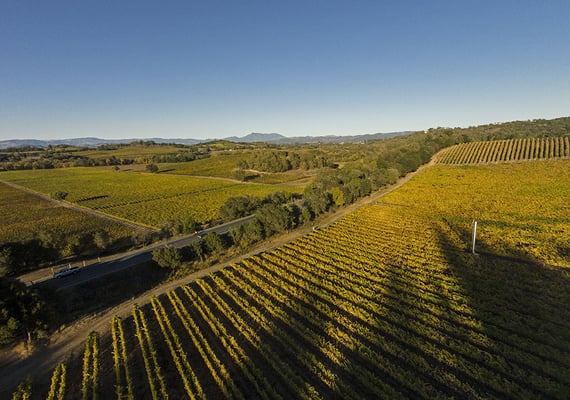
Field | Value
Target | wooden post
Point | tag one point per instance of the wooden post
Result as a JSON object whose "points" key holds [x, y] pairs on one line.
{"points": [[474, 236]]}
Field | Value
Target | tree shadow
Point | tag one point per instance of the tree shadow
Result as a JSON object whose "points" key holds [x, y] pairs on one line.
{"points": [[520, 312]]}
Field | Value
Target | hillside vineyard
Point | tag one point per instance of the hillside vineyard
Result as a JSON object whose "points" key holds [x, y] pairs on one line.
{"points": [[385, 303], [505, 150]]}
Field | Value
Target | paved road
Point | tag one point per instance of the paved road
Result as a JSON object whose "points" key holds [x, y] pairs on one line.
{"points": [[95, 270]]}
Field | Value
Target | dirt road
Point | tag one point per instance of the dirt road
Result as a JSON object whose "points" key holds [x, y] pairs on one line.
{"points": [[13, 369], [94, 213]]}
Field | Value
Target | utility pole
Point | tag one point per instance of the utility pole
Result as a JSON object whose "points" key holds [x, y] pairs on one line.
{"points": [[474, 237]]}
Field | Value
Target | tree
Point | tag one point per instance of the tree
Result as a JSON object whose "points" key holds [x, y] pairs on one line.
{"points": [[101, 239], [247, 234], [274, 219], [188, 224], [153, 168], [317, 200], [23, 313], [280, 197], [59, 195], [77, 244], [172, 227], [239, 174], [167, 257], [237, 207], [213, 243], [197, 249], [7, 261]]}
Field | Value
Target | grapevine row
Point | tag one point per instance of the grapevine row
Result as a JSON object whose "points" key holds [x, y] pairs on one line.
{"points": [[155, 377], [90, 380], [505, 150], [363, 300], [296, 384], [121, 361], [218, 370], [187, 374], [240, 357], [58, 382]]}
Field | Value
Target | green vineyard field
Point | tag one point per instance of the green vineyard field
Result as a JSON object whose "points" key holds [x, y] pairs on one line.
{"points": [[149, 199], [522, 209], [24, 215], [505, 151], [385, 303], [219, 165]]}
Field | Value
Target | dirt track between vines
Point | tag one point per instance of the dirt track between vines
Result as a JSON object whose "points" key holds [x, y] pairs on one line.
{"points": [[97, 214], [69, 339]]}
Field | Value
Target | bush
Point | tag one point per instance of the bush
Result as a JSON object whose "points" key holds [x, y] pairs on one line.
{"points": [[59, 195]]}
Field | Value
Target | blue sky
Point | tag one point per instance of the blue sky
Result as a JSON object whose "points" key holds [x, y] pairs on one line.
{"points": [[212, 69]]}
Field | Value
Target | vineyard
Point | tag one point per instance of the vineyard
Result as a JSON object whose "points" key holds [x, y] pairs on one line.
{"points": [[149, 199], [219, 165], [385, 303], [22, 214], [224, 165], [522, 208], [505, 151]]}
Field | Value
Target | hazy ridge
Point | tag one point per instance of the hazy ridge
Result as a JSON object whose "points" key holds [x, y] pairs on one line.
{"points": [[252, 137]]}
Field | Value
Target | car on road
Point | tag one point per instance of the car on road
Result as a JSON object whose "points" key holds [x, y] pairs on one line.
{"points": [[62, 273]]}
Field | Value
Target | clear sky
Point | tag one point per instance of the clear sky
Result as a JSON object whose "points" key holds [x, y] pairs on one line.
{"points": [[212, 69]]}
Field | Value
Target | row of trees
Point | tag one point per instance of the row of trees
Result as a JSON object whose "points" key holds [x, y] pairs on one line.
{"points": [[50, 246], [63, 156], [275, 213], [284, 160], [48, 161]]}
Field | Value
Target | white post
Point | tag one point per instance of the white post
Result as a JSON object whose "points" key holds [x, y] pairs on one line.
{"points": [[474, 237]]}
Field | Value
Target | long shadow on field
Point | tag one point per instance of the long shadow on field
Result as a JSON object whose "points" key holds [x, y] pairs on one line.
{"points": [[512, 320], [106, 292]]}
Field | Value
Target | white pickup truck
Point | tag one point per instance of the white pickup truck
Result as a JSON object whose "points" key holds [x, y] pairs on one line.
{"points": [[66, 272]]}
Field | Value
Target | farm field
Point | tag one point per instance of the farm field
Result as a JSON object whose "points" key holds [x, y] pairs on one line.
{"points": [[385, 303], [522, 149], [131, 152], [149, 199], [218, 165], [223, 166], [522, 209], [25, 215]]}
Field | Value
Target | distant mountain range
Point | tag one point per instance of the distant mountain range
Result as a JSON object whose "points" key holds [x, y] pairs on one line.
{"points": [[251, 138]]}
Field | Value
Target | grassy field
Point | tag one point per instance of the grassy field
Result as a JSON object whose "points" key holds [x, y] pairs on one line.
{"points": [[25, 215], [385, 303], [150, 199]]}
